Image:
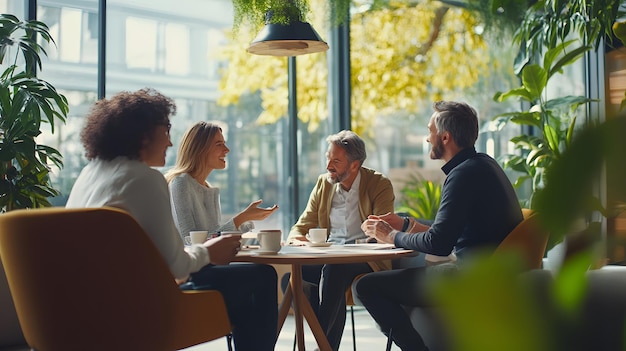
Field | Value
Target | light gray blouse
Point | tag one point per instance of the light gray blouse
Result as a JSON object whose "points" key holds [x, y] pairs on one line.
{"points": [[197, 207]]}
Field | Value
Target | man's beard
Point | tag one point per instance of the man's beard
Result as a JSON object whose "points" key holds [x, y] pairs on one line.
{"points": [[340, 177], [436, 151]]}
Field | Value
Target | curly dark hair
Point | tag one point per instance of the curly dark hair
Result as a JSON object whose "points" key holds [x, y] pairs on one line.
{"points": [[118, 126]]}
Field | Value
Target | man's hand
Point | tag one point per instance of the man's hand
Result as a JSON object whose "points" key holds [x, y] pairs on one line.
{"points": [[223, 249], [379, 229], [298, 241], [396, 222]]}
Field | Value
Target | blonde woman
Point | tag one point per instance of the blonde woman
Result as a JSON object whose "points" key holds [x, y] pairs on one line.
{"points": [[195, 203], [248, 289]]}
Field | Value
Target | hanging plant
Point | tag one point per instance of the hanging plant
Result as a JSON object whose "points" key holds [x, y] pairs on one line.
{"points": [[255, 12]]}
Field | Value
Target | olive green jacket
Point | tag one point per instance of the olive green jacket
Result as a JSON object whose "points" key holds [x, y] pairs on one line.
{"points": [[375, 197]]}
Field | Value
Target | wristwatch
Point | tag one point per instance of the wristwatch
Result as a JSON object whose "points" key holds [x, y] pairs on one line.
{"points": [[406, 223]]}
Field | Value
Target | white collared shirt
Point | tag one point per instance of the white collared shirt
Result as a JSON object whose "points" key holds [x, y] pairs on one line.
{"points": [[345, 220]]}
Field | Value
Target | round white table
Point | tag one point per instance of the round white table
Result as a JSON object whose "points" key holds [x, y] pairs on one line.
{"points": [[297, 256]]}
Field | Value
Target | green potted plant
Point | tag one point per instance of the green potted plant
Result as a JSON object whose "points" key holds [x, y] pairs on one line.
{"points": [[544, 39], [26, 102], [420, 198], [554, 119]]}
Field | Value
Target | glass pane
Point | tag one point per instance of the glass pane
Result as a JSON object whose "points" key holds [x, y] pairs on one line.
{"points": [[141, 48], [395, 83], [15, 7], [70, 68], [70, 32], [177, 49]]}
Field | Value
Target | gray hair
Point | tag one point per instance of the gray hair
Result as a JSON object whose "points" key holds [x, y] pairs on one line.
{"points": [[351, 143], [459, 119]]}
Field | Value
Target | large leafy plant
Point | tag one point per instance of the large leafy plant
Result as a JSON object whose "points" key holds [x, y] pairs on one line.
{"points": [[544, 39], [549, 23], [25, 103], [554, 120]]}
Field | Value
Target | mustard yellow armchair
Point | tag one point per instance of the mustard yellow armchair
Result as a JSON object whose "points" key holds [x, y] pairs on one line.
{"points": [[91, 279], [528, 240]]}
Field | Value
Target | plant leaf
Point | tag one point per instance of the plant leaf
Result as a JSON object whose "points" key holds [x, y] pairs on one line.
{"points": [[534, 79]]}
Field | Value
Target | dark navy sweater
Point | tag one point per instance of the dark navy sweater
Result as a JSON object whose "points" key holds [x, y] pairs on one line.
{"points": [[478, 209]]}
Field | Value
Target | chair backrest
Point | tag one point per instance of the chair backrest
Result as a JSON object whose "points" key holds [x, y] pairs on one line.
{"points": [[528, 239], [10, 332], [87, 279]]}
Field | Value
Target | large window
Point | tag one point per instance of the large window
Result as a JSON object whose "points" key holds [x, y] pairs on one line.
{"points": [[171, 46]]}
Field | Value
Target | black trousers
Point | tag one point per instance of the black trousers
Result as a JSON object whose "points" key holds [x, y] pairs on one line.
{"points": [[384, 293], [250, 294]]}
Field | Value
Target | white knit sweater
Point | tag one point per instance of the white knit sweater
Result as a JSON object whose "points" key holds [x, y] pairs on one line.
{"points": [[142, 191]]}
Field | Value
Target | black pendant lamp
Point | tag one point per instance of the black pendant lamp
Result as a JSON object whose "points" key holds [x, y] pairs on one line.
{"points": [[293, 39]]}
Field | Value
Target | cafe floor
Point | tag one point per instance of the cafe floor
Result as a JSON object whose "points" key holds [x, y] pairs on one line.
{"points": [[368, 337]]}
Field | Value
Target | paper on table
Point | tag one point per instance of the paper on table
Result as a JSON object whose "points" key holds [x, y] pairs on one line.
{"points": [[372, 246], [289, 249], [335, 249]]}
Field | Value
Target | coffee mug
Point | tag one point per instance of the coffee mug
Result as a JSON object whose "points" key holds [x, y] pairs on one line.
{"points": [[269, 240], [317, 235], [198, 236]]}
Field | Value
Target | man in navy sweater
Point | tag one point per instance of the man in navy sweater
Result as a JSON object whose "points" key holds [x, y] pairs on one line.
{"points": [[478, 209]]}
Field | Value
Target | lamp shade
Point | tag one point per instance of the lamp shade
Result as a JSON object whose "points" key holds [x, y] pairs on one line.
{"points": [[296, 38]]}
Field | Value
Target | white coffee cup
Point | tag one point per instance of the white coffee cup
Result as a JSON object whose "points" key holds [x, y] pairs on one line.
{"points": [[317, 235], [198, 236], [269, 240]]}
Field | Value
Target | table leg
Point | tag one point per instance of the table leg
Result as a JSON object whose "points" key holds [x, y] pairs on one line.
{"points": [[283, 309], [302, 308], [296, 289]]}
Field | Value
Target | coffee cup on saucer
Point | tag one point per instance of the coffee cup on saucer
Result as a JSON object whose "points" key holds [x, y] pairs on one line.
{"points": [[269, 241], [317, 235]]}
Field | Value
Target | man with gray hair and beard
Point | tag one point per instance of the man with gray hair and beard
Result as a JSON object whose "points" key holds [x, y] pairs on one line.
{"points": [[342, 199], [478, 209]]}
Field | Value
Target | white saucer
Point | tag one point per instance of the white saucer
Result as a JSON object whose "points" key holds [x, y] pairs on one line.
{"points": [[264, 252], [326, 244]]}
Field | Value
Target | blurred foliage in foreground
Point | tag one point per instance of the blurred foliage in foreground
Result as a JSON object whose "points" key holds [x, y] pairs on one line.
{"points": [[489, 307]]}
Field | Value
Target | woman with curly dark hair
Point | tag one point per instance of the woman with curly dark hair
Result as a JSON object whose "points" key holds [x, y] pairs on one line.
{"points": [[124, 137], [119, 126]]}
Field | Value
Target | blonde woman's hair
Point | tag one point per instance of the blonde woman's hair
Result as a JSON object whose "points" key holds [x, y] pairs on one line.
{"points": [[194, 146]]}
